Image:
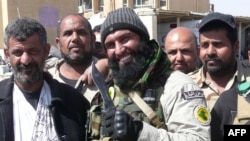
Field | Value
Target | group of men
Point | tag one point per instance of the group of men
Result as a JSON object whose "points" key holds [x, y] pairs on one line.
{"points": [[152, 100], [221, 73]]}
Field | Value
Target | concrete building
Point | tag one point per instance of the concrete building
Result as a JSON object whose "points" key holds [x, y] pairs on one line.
{"points": [[158, 15], [49, 12]]}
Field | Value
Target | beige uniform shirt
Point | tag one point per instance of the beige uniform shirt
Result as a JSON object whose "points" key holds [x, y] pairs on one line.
{"points": [[185, 112], [210, 91]]}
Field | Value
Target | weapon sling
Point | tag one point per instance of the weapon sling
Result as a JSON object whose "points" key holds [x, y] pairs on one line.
{"points": [[147, 110]]}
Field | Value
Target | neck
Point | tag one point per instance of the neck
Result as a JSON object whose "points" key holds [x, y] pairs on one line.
{"points": [[30, 87], [73, 71], [221, 79]]}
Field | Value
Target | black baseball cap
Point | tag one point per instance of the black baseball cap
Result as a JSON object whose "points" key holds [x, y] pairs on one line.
{"points": [[216, 16]]}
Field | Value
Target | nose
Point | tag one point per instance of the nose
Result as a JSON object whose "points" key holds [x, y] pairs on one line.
{"points": [[25, 58], [75, 36], [179, 56], [211, 50], [119, 49]]}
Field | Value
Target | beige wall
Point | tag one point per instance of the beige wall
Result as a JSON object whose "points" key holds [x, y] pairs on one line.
{"points": [[3, 21], [203, 5], [200, 6], [48, 12]]}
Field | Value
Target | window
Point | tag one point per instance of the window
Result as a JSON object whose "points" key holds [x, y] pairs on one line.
{"points": [[87, 5], [101, 5], [162, 3], [143, 3], [125, 3]]}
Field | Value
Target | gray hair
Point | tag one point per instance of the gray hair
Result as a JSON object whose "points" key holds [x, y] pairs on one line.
{"points": [[22, 28]]}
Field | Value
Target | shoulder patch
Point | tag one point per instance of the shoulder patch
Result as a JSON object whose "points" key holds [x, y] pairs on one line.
{"points": [[193, 94], [202, 114]]}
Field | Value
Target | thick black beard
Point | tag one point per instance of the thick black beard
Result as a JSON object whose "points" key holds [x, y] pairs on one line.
{"points": [[218, 70], [133, 71], [81, 60]]}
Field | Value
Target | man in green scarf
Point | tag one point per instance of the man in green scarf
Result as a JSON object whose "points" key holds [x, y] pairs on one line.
{"points": [[140, 67]]}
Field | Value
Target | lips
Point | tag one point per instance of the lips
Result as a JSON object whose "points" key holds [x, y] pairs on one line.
{"points": [[125, 59], [77, 46], [73, 47], [211, 62]]}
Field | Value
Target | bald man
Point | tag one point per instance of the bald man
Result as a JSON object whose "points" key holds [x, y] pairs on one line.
{"points": [[181, 49]]}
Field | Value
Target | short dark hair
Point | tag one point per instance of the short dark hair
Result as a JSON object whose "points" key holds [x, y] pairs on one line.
{"points": [[83, 18], [22, 28], [97, 28]]}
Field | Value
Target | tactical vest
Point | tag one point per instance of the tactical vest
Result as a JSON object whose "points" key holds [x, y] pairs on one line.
{"points": [[243, 103], [123, 101], [151, 97]]}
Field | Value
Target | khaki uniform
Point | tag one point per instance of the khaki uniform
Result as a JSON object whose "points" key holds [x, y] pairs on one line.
{"points": [[185, 112], [210, 91]]}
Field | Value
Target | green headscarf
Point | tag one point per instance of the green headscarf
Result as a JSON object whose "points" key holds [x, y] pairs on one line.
{"points": [[157, 65]]}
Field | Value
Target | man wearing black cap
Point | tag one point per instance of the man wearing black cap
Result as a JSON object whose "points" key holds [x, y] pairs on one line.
{"points": [[140, 68], [232, 105], [218, 49]]}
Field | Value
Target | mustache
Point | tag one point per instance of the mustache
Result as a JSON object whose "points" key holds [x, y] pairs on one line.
{"points": [[215, 58], [76, 45], [23, 66]]}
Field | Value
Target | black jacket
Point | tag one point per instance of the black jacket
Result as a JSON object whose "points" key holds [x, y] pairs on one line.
{"points": [[68, 107]]}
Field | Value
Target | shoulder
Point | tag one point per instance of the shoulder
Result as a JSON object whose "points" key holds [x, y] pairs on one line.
{"points": [[180, 77], [4, 82], [228, 97], [53, 65], [194, 72], [243, 70], [71, 96], [51, 62], [244, 63], [181, 82], [5, 76]]}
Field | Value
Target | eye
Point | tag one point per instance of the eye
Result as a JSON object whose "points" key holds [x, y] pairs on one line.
{"points": [[110, 45], [218, 44], [82, 32], [204, 45], [17, 52], [125, 39], [186, 51], [34, 51], [67, 33], [171, 52]]}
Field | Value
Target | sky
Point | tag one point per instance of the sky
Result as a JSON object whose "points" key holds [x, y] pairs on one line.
{"points": [[233, 7]]}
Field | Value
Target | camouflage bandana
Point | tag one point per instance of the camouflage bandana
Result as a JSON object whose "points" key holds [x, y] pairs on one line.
{"points": [[156, 66]]}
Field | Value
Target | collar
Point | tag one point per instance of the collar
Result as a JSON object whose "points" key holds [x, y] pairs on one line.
{"points": [[202, 81]]}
